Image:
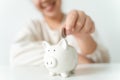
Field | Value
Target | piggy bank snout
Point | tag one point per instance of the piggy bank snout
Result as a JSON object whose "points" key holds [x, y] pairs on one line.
{"points": [[50, 62]]}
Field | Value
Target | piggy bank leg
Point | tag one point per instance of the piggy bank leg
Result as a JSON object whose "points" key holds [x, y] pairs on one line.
{"points": [[52, 73], [66, 74]]}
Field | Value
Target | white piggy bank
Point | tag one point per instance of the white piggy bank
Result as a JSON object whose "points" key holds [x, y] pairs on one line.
{"points": [[60, 59]]}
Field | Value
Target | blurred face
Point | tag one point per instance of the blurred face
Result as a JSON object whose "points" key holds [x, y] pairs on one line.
{"points": [[49, 8]]}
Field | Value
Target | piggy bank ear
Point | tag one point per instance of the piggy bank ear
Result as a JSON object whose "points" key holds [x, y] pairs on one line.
{"points": [[45, 44], [63, 43]]}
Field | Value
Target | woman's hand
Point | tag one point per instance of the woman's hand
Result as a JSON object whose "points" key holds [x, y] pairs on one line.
{"points": [[80, 25], [78, 22]]}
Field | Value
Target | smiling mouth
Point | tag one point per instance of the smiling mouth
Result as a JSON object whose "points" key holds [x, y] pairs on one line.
{"points": [[49, 6]]}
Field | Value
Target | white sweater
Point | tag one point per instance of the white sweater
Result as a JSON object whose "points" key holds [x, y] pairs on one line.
{"points": [[27, 48]]}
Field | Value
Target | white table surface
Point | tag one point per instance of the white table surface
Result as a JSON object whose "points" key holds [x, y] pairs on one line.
{"points": [[83, 72]]}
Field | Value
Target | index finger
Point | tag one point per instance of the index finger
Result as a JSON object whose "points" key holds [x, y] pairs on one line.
{"points": [[71, 20]]}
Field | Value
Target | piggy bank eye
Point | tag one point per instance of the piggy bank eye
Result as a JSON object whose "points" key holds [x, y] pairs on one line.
{"points": [[54, 50]]}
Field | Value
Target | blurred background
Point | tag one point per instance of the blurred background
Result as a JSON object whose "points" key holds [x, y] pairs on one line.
{"points": [[105, 13]]}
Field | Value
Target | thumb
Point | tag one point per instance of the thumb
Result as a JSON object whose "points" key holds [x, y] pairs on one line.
{"points": [[63, 31], [66, 30]]}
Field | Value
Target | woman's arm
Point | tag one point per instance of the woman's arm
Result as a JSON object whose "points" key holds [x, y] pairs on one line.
{"points": [[99, 55], [84, 60], [81, 26], [27, 49], [86, 44]]}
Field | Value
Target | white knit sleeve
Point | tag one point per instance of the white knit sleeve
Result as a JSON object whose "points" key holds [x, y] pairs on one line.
{"points": [[27, 48], [101, 54]]}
